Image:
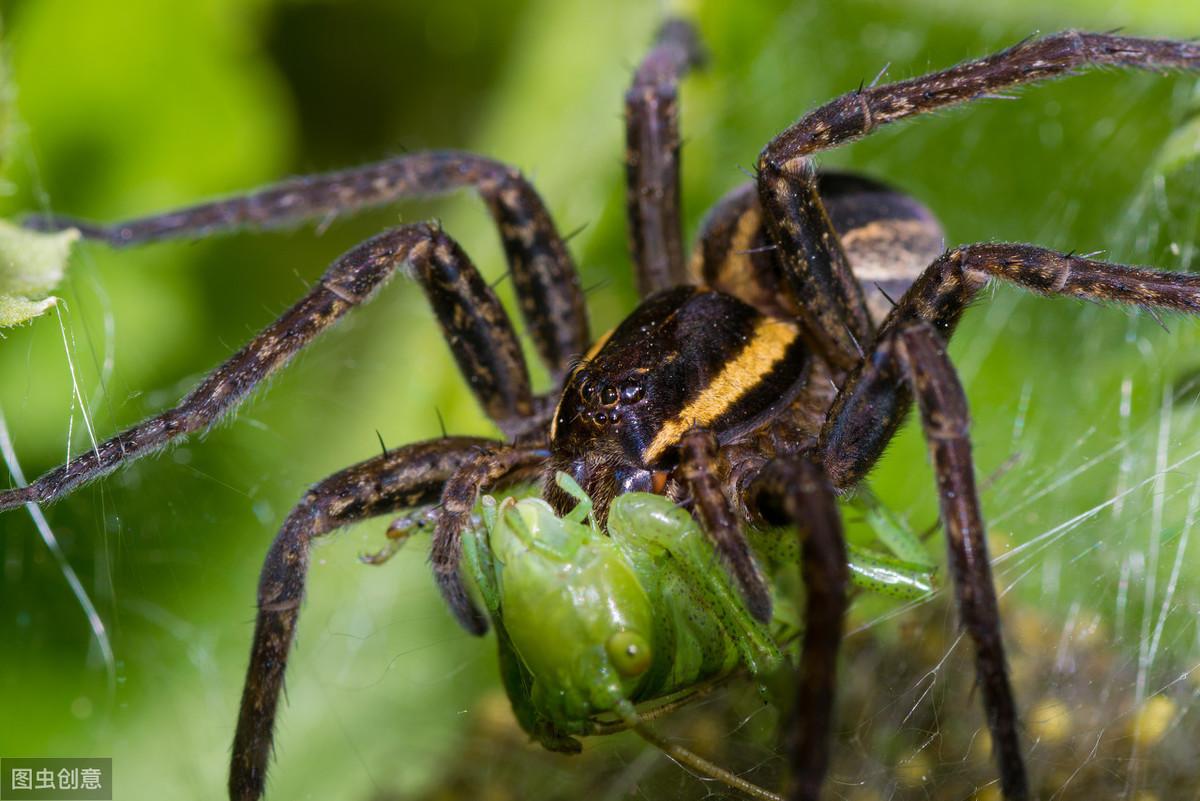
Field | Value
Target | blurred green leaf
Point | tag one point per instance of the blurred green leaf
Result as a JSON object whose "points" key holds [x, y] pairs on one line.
{"points": [[1181, 149], [31, 265]]}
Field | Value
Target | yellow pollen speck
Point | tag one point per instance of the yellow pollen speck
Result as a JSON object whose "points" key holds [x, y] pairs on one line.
{"points": [[1150, 724], [1049, 721]]}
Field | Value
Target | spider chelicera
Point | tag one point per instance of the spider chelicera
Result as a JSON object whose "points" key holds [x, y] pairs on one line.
{"points": [[753, 384]]}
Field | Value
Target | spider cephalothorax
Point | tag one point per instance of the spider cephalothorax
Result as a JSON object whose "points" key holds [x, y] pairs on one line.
{"points": [[751, 389], [686, 358]]}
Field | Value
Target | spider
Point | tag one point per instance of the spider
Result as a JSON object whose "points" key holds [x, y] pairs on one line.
{"points": [[754, 384]]}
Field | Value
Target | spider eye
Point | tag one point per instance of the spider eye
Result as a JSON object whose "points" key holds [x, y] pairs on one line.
{"points": [[629, 652], [631, 393], [608, 395]]}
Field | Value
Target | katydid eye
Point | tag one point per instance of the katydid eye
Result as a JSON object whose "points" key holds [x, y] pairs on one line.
{"points": [[629, 652]]}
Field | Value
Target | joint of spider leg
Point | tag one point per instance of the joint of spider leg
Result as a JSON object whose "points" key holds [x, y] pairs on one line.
{"points": [[769, 163], [864, 102]]}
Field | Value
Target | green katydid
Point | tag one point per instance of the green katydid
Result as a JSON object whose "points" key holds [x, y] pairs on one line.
{"points": [[594, 623]]}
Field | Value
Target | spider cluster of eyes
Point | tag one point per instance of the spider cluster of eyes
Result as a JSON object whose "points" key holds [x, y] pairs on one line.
{"points": [[608, 397]]}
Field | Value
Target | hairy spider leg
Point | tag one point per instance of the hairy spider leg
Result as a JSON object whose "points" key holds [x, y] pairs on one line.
{"points": [[916, 355], [402, 478], [904, 359], [543, 273], [832, 310], [701, 468], [475, 325], [892, 237], [800, 216], [836, 319], [875, 400], [911, 352], [946, 423], [858, 113], [652, 157], [457, 502], [794, 489]]}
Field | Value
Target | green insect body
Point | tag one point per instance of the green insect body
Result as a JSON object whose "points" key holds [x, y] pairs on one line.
{"points": [[591, 623]]}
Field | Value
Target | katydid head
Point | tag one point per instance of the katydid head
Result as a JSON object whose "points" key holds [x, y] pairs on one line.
{"points": [[574, 610]]}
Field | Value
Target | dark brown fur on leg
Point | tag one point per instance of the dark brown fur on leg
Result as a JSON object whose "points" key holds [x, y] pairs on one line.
{"points": [[833, 311], [796, 490], [406, 477], [858, 113], [475, 324], [944, 417], [547, 284], [831, 303], [481, 472], [875, 400], [889, 237], [700, 472], [652, 157]]}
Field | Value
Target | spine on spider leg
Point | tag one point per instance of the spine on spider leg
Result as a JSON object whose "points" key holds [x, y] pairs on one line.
{"points": [[876, 398], [218, 395], [1122, 51], [797, 490], [700, 464], [548, 289], [830, 299], [478, 331], [473, 321], [458, 499], [280, 591]]}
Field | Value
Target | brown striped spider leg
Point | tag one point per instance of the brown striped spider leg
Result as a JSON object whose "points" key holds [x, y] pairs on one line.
{"points": [[542, 270], [475, 324], [406, 477]]}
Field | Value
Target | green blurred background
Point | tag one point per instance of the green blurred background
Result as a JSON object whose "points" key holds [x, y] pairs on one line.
{"points": [[1084, 416]]}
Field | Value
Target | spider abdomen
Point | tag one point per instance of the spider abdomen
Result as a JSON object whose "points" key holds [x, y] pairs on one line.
{"points": [[888, 236], [686, 358]]}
